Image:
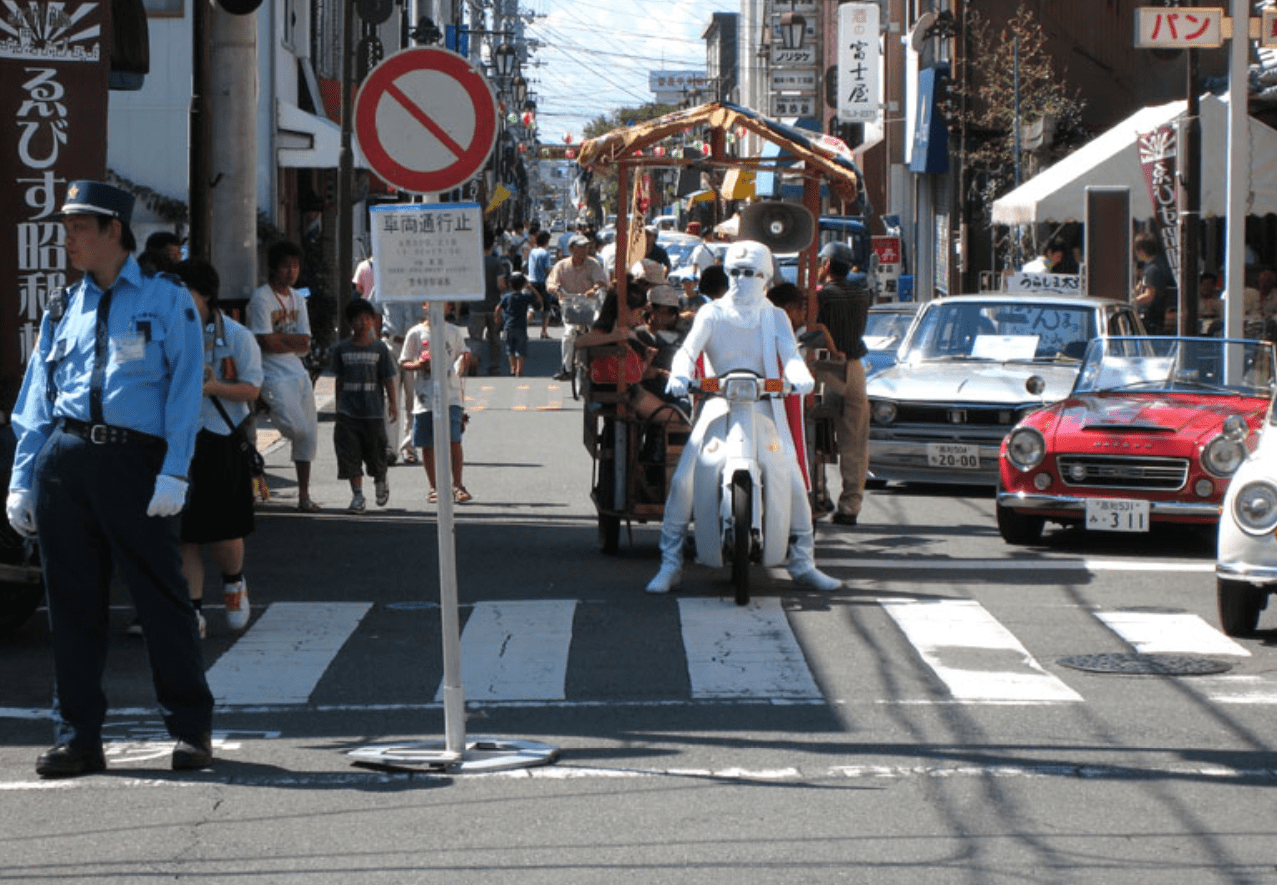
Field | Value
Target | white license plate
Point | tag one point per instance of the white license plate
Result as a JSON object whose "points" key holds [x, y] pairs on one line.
{"points": [[1116, 515], [953, 456]]}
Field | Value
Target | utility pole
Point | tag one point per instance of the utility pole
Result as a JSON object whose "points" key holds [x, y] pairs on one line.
{"points": [[345, 170], [232, 178], [200, 220]]}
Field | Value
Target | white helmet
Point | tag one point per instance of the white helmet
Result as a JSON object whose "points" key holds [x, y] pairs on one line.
{"points": [[749, 272]]}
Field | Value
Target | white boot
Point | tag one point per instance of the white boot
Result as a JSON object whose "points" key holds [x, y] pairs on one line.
{"points": [[671, 560], [802, 564]]}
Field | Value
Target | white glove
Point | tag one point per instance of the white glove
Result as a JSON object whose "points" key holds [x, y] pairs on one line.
{"points": [[169, 497], [20, 508], [677, 385], [804, 386], [799, 377]]}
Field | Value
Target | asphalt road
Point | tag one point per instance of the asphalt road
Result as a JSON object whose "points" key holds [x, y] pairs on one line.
{"points": [[917, 726]]}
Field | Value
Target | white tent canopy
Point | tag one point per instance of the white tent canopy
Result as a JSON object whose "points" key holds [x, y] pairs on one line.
{"points": [[1058, 194]]}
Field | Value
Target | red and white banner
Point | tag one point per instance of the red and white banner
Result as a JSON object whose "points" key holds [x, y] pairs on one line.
{"points": [[1157, 157]]}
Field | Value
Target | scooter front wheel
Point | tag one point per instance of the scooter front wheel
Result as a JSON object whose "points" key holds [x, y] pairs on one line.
{"points": [[742, 523]]}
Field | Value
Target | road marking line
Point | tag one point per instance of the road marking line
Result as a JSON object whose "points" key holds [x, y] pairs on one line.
{"points": [[1161, 632], [516, 650], [743, 651], [283, 656], [974, 655], [1237, 689], [1002, 565]]}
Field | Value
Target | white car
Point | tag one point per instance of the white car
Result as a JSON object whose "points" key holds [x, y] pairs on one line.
{"points": [[1246, 569], [940, 413]]}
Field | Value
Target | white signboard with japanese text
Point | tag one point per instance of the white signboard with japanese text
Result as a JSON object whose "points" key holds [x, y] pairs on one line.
{"points": [[1159, 27], [793, 105], [1056, 283], [428, 251], [859, 63], [803, 56], [802, 80]]}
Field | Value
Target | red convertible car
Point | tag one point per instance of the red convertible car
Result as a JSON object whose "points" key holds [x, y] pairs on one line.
{"points": [[1152, 432]]}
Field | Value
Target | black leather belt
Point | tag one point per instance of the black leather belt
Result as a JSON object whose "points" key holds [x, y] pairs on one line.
{"points": [[107, 434]]}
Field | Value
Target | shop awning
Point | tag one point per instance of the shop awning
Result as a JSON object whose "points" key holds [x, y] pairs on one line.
{"points": [[1058, 194], [303, 140], [738, 184]]}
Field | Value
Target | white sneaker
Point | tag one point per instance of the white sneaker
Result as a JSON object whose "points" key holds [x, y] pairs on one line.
{"points": [[382, 487], [357, 504], [816, 579], [203, 624], [665, 580], [235, 598]]}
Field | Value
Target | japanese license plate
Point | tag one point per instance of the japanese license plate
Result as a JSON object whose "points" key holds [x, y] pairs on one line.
{"points": [[953, 455], [1116, 515]]}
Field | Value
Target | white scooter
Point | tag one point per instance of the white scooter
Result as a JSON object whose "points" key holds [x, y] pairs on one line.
{"points": [[742, 486]]}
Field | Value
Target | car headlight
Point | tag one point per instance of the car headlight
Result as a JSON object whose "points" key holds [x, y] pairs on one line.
{"points": [[1255, 507], [1223, 455], [1025, 448], [883, 412]]}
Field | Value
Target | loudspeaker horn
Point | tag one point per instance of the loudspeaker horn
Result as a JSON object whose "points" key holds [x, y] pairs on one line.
{"points": [[781, 227]]}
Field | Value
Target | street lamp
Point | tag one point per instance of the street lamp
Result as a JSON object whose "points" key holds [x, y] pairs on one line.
{"points": [[519, 86], [793, 30], [504, 59]]}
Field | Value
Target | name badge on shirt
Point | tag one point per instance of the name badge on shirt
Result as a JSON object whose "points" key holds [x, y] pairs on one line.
{"points": [[130, 347]]}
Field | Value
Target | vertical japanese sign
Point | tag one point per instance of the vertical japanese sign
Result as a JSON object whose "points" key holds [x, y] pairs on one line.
{"points": [[54, 63], [859, 64], [1157, 157], [428, 251]]}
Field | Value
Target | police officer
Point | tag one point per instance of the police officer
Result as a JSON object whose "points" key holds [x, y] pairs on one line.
{"points": [[106, 423]]}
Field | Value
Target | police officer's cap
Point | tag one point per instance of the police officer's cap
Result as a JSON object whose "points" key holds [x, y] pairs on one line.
{"points": [[836, 251], [98, 198]]}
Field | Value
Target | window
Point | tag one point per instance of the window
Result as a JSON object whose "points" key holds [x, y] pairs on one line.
{"points": [[165, 8]]}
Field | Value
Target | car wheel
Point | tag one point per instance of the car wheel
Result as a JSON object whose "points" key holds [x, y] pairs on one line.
{"points": [[1017, 528], [1239, 606]]}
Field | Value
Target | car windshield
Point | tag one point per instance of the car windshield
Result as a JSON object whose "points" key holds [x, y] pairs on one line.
{"points": [[1002, 331], [884, 329], [1229, 367]]}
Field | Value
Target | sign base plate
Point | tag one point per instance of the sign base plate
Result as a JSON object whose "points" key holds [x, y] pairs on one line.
{"points": [[481, 755]]}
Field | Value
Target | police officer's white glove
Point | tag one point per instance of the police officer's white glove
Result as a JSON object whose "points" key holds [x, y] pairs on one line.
{"points": [[20, 508], [169, 497], [677, 385]]}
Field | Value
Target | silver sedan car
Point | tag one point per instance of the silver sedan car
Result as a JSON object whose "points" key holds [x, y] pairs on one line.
{"points": [[964, 378]]}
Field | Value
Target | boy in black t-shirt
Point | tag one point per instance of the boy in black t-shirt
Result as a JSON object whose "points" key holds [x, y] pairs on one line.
{"points": [[365, 374]]}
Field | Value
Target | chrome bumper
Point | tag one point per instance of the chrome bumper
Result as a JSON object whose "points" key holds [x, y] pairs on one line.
{"points": [[1241, 571], [891, 460], [1076, 504]]}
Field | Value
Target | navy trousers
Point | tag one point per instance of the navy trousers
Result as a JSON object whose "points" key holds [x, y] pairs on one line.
{"points": [[91, 505]]}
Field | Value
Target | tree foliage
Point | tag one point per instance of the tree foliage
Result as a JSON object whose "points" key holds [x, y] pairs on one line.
{"points": [[617, 119], [984, 98]]}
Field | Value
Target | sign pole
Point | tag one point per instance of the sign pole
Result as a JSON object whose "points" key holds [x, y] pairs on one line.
{"points": [[454, 697], [1238, 172]]}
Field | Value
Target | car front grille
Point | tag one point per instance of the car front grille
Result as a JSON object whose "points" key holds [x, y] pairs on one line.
{"points": [[977, 415], [1121, 472]]}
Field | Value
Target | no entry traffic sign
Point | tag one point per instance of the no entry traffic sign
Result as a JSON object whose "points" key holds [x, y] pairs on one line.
{"points": [[426, 120]]}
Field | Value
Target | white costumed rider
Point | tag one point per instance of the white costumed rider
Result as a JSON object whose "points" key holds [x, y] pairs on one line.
{"points": [[741, 330]]}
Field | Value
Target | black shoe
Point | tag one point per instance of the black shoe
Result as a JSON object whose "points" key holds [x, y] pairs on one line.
{"points": [[193, 755], [563, 376], [65, 760], [844, 518]]}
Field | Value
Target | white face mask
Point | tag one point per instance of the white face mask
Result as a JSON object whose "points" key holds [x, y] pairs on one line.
{"points": [[746, 291]]}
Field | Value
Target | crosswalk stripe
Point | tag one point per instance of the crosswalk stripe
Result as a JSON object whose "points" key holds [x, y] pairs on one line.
{"points": [[1162, 632], [743, 651], [516, 650], [1037, 564], [283, 656], [974, 655]]}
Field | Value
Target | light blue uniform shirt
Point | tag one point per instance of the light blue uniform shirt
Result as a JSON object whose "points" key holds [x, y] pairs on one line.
{"points": [[240, 346], [154, 372]]}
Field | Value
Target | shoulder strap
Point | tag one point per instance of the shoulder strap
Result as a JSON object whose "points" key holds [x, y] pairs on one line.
{"points": [[56, 308]]}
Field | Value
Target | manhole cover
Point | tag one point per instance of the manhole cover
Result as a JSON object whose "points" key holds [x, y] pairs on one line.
{"points": [[1145, 665]]}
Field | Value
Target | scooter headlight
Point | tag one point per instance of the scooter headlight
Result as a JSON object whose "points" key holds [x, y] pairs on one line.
{"points": [[741, 390], [1255, 507]]}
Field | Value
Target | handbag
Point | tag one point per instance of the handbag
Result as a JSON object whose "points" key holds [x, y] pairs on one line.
{"points": [[253, 458]]}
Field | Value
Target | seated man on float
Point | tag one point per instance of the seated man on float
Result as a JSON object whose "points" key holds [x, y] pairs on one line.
{"points": [[741, 330]]}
